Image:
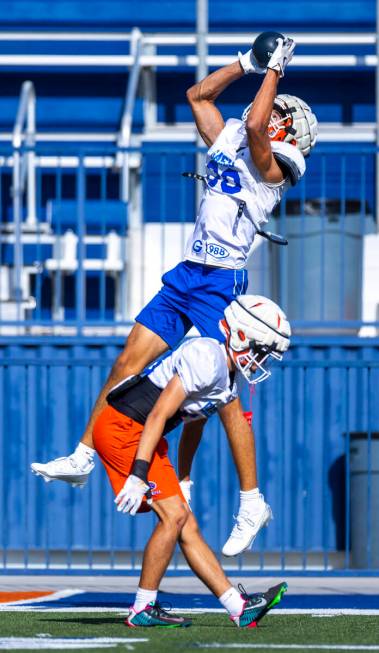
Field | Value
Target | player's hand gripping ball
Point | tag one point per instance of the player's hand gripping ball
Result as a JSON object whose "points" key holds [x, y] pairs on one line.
{"points": [[264, 45]]}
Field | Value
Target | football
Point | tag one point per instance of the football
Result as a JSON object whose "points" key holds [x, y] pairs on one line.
{"points": [[264, 45]]}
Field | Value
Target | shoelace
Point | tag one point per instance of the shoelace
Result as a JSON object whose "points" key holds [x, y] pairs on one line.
{"points": [[160, 610], [65, 458], [253, 598], [242, 590], [241, 519]]}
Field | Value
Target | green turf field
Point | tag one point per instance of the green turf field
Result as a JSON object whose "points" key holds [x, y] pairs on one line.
{"points": [[208, 632]]}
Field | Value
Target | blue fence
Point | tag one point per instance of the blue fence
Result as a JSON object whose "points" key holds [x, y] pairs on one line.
{"points": [[316, 422], [92, 259]]}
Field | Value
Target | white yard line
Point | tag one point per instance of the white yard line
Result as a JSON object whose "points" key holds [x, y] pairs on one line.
{"points": [[296, 647], [50, 643]]}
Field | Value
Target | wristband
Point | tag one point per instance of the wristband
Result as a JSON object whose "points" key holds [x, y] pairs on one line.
{"points": [[140, 469]]}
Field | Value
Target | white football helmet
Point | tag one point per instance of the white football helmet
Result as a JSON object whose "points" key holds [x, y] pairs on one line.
{"points": [[292, 121], [255, 329]]}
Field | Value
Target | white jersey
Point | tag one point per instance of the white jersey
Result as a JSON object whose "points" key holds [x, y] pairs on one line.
{"points": [[202, 368], [236, 200]]}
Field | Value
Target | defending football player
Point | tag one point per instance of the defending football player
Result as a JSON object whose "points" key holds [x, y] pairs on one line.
{"points": [[129, 438], [250, 164]]}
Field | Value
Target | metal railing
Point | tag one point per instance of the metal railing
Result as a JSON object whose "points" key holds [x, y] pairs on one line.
{"points": [[313, 39], [23, 175], [316, 423]]}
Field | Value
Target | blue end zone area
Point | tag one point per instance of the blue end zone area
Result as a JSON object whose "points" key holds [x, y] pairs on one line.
{"points": [[209, 602]]}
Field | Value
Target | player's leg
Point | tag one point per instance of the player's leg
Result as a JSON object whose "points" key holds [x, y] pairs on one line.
{"points": [[142, 347], [245, 610], [116, 439], [223, 285], [172, 514], [201, 558], [242, 444], [254, 512], [146, 610], [160, 326]]}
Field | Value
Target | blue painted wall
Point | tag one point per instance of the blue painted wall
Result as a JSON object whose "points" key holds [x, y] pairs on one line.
{"points": [[181, 13], [301, 417]]}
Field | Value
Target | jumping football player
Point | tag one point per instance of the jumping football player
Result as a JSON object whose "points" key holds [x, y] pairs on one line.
{"points": [[129, 437], [250, 164]]}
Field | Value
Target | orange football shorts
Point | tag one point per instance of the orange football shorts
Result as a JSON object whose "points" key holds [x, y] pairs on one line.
{"points": [[116, 439]]}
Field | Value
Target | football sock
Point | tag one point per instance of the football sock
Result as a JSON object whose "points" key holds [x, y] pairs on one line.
{"points": [[247, 499], [232, 601], [143, 597], [83, 454]]}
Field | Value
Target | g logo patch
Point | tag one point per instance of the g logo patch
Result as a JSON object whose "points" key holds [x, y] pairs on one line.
{"points": [[197, 246]]}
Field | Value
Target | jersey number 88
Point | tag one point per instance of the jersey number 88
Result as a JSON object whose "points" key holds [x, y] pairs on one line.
{"points": [[229, 178]]}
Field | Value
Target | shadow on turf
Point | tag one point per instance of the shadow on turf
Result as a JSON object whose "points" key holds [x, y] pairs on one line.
{"points": [[99, 621], [84, 620]]}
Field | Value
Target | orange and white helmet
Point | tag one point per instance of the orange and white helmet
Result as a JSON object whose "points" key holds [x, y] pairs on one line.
{"points": [[256, 329], [292, 121]]}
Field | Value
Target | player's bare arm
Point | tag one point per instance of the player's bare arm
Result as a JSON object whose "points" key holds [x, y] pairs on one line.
{"points": [[168, 403], [202, 97], [188, 445], [258, 118], [257, 130]]}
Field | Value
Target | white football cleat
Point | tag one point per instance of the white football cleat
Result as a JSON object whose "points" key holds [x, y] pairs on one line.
{"points": [[246, 528], [64, 469]]}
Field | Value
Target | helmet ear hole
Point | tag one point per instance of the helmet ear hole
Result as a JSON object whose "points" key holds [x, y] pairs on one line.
{"points": [[241, 335]]}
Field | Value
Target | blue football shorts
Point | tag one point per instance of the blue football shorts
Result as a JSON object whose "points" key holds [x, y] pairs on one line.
{"points": [[192, 295]]}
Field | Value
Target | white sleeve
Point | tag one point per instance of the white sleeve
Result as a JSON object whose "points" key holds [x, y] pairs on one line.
{"points": [[234, 391], [199, 365]]}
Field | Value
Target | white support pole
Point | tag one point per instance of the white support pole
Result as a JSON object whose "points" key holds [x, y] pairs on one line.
{"points": [[31, 216], [377, 114], [16, 294], [201, 72], [126, 122]]}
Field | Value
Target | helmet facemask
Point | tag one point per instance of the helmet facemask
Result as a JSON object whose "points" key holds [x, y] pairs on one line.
{"points": [[250, 360], [280, 127], [253, 360]]}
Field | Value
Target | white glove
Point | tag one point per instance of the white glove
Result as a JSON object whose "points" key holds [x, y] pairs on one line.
{"points": [[249, 63], [130, 497], [282, 55], [185, 487]]}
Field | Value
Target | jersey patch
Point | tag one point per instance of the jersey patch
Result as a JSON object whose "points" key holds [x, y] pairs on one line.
{"points": [[216, 250]]}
